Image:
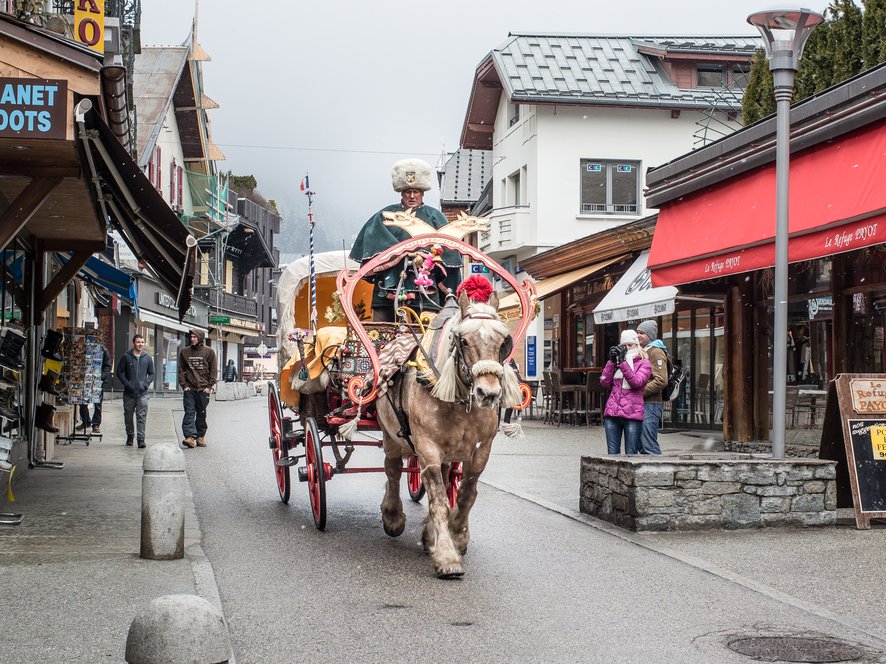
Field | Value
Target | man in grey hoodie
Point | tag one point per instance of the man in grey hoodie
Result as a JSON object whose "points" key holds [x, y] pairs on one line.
{"points": [[197, 370], [647, 333]]}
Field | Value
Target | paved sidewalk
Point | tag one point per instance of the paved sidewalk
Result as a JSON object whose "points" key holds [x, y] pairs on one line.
{"points": [[836, 573], [72, 579]]}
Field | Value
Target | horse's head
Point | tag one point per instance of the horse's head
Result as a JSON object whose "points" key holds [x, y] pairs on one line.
{"points": [[480, 342]]}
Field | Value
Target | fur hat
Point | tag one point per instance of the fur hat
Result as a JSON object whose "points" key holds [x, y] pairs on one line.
{"points": [[629, 337], [411, 174], [650, 328]]}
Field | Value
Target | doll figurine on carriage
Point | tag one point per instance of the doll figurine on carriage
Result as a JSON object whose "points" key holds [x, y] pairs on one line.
{"points": [[422, 286]]}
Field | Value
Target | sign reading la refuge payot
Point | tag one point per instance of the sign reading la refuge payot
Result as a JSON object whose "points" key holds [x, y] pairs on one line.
{"points": [[868, 396]]}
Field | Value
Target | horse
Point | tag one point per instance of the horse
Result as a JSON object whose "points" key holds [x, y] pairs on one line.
{"points": [[455, 420]]}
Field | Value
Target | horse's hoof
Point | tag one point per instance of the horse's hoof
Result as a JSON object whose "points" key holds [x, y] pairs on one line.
{"points": [[453, 571], [396, 527]]}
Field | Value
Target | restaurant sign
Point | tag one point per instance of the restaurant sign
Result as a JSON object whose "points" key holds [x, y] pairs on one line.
{"points": [[33, 108]]}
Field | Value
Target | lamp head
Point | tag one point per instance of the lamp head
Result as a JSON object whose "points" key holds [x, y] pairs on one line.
{"points": [[785, 31]]}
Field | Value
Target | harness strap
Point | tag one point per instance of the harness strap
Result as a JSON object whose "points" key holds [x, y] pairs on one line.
{"points": [[424, 353], [401, 415]]}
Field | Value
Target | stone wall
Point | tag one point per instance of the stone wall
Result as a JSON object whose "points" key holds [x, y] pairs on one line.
{"points": [[800, 450], [233, 391], [705, 492]]}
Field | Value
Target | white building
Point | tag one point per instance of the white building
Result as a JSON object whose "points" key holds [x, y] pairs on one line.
{"points": [[574, 121]]}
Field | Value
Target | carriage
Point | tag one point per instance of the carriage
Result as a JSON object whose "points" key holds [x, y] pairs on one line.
{"points": [[345, 382]]}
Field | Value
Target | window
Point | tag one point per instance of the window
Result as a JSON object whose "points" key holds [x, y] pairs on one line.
{"points": [[740, 75], [610, 187], [709, 76], [514, 197], [515, 115]]}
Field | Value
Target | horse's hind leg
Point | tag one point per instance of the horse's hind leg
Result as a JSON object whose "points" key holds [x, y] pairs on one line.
{"points": [[392, 506], [447, 560]]}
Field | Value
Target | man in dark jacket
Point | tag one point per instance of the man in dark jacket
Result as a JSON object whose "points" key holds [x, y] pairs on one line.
{"points": [[96, 420], [647, 333], [135, 370], [411, 178], [197, 370], [230, 372]]}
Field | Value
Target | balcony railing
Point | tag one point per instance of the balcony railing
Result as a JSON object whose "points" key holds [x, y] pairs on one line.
{"points": [[227, 303]]}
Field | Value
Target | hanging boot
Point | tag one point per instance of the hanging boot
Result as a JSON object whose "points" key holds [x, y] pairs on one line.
{"points": [[43, 417], [48, 383], [11, 343], [8, 407], [51, 343]]}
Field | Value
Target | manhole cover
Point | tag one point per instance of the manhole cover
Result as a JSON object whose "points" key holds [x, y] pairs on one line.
{"points": [[794, 649]]}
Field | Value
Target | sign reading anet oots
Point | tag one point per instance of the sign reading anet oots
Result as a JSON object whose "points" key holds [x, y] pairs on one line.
{"points": [[33, 108]]}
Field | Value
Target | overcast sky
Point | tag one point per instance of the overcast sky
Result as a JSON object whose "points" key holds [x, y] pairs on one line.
{"points": [[342, 89]]}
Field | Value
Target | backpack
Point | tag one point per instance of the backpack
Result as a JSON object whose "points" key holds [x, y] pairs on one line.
{"points": [[676, 375]]}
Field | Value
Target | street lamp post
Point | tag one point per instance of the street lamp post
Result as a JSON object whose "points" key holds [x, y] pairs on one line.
{"points": [[784, 33]]}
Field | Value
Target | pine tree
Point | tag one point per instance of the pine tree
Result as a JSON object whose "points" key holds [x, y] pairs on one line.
{"points": [[759, 95], [816, 65], [873, 33], [844, 39]]}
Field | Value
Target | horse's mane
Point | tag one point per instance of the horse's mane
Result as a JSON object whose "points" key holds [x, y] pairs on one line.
{"points": [[482, 320]]}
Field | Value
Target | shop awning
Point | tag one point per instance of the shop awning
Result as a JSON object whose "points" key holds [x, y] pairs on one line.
{"points": [[552, 285], [837, 203], [103, 274], [635, 297], [150, 227], [154, 318]]}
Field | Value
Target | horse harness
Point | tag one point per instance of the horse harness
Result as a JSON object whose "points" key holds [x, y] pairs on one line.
{"points": [[465, 375]]}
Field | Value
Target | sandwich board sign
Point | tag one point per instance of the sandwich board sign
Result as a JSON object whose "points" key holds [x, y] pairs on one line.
{"points": [[854, 435]]}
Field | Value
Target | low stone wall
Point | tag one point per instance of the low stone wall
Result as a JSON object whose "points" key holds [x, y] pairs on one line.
{"points": [[233, 391], [794, 450], [707, 492]]}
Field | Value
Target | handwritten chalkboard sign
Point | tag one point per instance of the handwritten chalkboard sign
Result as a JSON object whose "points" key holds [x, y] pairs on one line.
{"points": [[854, 435]]}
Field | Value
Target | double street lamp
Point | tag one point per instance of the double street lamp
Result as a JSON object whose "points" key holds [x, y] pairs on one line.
{"points": [[784, 33]]}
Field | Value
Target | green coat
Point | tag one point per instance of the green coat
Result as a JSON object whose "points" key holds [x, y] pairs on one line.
{"points": [[375, 237]]}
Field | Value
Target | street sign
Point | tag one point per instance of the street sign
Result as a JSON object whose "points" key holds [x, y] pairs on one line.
{"points": [[219, 319], [262, 349]]}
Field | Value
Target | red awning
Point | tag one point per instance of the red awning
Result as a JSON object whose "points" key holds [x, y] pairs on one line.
{"points": [[837, 204]]}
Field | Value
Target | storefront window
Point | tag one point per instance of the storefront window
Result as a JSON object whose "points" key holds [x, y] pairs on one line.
{"points": [[171, 344]]}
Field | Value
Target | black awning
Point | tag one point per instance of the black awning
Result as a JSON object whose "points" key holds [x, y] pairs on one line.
{"points": [[246, 245], [151, 229]]}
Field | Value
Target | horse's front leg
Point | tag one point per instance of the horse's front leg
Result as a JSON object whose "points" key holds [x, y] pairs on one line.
{"points": [[467, 494], [392, 506], [436, 536]]}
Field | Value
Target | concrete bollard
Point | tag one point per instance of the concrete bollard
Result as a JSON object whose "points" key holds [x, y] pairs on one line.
{"points": [[163, 503], [178, 629]]}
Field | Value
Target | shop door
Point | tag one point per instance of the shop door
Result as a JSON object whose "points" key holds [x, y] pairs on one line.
{"points": [[694, 337]]}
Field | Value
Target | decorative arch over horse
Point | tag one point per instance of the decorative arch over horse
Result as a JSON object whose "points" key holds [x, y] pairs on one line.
{"points": [[443, 429]]}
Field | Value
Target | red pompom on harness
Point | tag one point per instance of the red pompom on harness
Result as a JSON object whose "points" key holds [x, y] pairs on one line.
{"points": [[477, 288]]}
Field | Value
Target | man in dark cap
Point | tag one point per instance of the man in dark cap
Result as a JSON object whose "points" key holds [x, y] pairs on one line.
{"points": [[647, 333], [396, 286]]}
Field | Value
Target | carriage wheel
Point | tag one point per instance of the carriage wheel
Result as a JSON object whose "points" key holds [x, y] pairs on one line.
{"points": [[454, 482], [316, 473], [413, 480], [279, 446]]}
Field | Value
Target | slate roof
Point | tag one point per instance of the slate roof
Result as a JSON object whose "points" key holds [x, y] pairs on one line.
{"points": [[600, 69], [465, 174], [156, 75]]}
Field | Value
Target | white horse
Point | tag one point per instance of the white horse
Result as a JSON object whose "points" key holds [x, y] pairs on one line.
{"points": [[454, 421]]}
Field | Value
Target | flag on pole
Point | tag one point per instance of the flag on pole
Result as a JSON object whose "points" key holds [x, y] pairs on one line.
{"points": [[301, 187]]}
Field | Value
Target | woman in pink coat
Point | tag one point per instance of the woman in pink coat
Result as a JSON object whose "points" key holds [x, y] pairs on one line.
{"points": [[626, 374]]}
